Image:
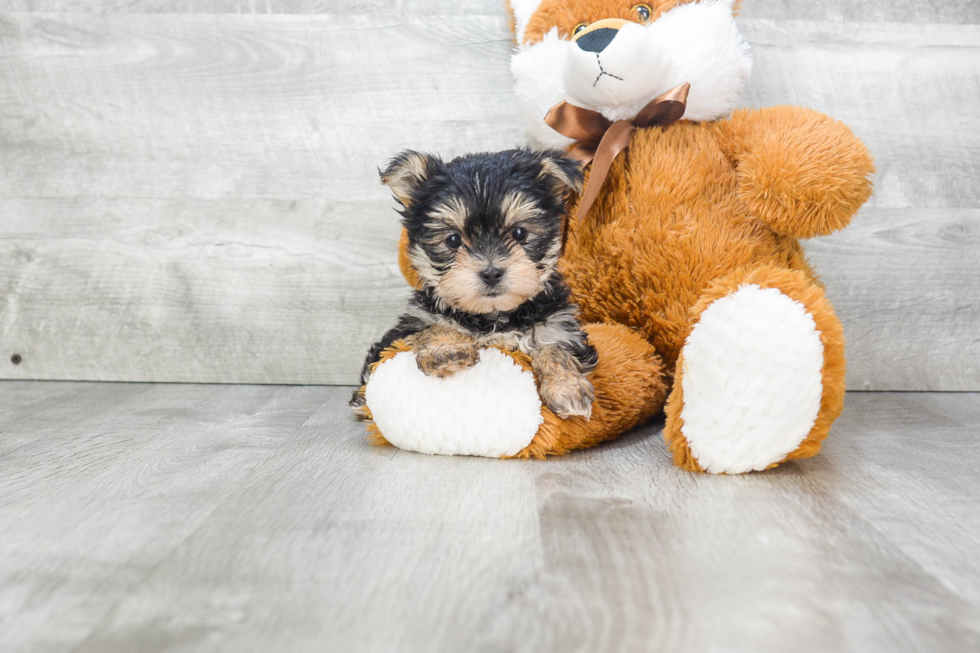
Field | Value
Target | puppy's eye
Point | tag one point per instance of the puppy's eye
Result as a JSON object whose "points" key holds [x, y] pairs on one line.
{"points": [[519, 234], [578, 28], [453, 241], [643, 11]]}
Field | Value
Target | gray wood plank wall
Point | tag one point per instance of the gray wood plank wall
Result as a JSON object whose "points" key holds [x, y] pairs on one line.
{"points": [[188, 189]]}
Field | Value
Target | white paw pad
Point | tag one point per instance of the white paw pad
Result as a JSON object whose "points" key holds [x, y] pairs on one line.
{"points": [[491, 409], [751, 380]]}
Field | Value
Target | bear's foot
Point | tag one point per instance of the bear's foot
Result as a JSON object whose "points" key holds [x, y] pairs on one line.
{"points": [[760, 377], [494, 409], [490, 409]]}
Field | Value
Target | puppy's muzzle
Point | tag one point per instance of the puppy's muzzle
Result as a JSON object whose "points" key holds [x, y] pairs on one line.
{"points": [[597, 36], [491, 275]]}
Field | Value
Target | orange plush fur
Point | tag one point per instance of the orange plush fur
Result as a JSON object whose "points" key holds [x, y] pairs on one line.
{"points": [[680, 209], [566, 14]]}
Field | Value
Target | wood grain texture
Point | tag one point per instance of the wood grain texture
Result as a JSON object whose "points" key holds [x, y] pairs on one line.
{"points": [[906, 89], [865, 11], [904, 282], [128, 495], [196, 290], [238, 518], [196, 199], [398, 8], [189, 192], [912, 11]]}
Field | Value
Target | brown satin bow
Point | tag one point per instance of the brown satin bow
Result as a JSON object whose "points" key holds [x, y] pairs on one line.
{"points": [[600, 141]]}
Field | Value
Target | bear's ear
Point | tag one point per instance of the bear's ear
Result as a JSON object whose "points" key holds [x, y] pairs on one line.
{"points": [[407, 171], [565, 174], [520, 13]]}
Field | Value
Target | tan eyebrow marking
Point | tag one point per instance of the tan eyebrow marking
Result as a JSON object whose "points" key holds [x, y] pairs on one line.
{"points": [[518, 207], [451, 213]]}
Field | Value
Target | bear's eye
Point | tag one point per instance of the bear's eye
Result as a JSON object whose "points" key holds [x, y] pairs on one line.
{"points": [[578, 28], [519, 234], [453, 241], [643, 11]]}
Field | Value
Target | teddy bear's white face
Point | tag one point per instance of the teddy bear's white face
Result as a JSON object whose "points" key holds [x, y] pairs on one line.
{"points": [[616, 66]]}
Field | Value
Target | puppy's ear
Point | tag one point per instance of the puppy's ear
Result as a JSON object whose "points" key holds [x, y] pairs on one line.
{"points": [[406, 172], [565, 174]]}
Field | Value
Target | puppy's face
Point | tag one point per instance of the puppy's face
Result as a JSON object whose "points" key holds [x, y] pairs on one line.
{"points": [[484, 229]]}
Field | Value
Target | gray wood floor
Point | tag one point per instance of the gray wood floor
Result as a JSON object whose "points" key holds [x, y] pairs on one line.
{"points": [[256, 518]]}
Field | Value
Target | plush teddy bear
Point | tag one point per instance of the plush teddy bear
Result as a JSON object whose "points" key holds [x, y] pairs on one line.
{"points": [[688, 230], [684, 244]]}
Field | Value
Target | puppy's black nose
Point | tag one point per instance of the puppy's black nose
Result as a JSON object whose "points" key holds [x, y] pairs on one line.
{"points": [[597, 40], [491, 275]]}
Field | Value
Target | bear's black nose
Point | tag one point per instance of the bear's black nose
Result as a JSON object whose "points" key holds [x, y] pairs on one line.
{"points": [[491, 275], [597, 40]]}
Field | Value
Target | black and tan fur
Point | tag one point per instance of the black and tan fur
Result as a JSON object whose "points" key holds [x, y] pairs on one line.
{"points": [[484, 236]]}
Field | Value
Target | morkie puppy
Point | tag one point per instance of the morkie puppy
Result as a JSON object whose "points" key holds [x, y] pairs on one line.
{"points": [[484, 235]]}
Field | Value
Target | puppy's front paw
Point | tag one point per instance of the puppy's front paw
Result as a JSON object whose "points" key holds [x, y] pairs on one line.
{"points": [[445, 359], [358, 405], [567, 395]]}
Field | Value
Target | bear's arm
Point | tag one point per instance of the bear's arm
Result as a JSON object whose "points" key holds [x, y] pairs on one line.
{"points": [[803, 173]]}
